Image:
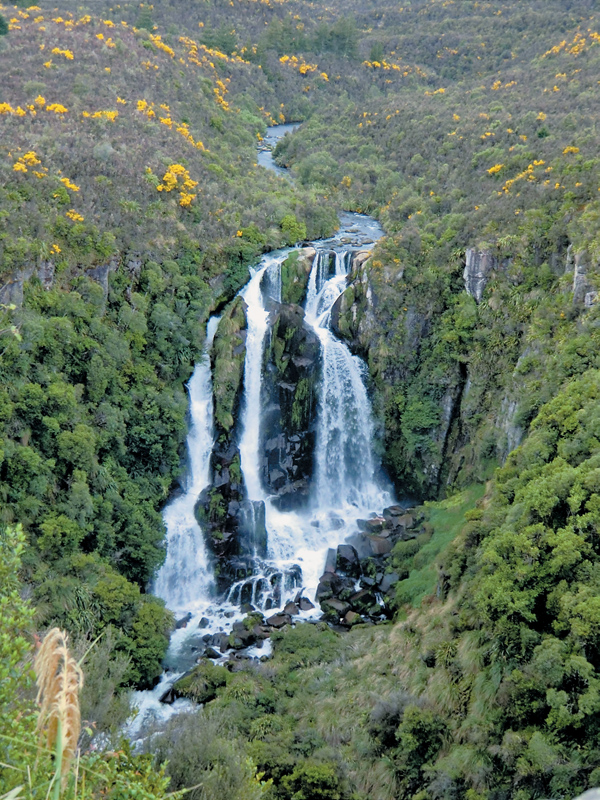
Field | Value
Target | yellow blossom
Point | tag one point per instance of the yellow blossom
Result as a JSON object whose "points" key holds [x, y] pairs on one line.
{"points": [[72, 214]]}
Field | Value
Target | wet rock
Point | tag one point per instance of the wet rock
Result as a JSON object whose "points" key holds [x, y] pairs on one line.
{"points": [[210, 652], [347, 561], [247, 608], [182, 623], [279, 620], [329, 585], [393, 511], [330, 560], [204, 622], [291, 609], [374, 525], [168, 698], [479, 265], [290, 386], [305, 604]]}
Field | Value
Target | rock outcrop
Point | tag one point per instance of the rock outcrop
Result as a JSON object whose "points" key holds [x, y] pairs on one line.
{"points": [[479, 266], [295, 272], [290, 396]]}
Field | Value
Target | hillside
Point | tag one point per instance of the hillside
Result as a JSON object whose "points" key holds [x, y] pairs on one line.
{"points": [[132, 209]]}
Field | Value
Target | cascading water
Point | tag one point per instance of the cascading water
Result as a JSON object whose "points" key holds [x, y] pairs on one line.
{"points": [[185, 578], [345, 484], [345, 465]]}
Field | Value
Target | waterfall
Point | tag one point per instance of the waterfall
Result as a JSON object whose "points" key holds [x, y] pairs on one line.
{"points": [[185, 577], [345, 464], [345, 481], [257, 318]]}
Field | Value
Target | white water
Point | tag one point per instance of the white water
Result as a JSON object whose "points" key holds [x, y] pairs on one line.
{"points": [[345, 465], [345, 485], [185, 576]]}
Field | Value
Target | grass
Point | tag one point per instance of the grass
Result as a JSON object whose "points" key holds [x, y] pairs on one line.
{"points": [[446, 518]]}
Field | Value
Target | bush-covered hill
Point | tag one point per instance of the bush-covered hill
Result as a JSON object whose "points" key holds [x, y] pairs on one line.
{"points": [[497, 153], [130, 207], [489, 691]]}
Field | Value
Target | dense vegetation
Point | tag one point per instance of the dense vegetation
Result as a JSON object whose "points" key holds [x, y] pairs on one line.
{"points": [[130, 209]]}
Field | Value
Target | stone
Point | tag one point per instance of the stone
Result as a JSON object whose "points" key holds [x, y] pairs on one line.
{"points": [[330, 560], [351, 618], [210, 652], [168, 698], [338, 606], [590, 299], [393, 511], [247, 608], [279, 620], [479, 264], [347, 561], [363, 601], [388, 581], [204, 622], [291, 609], [379, 545], [375, 525], [305, 604], [329, 584], [182, 623]]}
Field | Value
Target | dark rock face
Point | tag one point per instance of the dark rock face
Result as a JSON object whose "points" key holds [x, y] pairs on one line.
{"points": [[347, 561], [290, 395]]}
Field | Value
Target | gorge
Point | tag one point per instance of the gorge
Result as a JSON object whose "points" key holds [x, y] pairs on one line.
{"points": [[300, 462]]}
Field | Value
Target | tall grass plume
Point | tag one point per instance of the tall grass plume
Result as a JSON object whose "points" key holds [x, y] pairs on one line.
{"points": [[59, 681]]}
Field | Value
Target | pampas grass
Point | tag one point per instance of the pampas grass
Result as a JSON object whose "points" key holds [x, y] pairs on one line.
{"points": [[59, 680]]}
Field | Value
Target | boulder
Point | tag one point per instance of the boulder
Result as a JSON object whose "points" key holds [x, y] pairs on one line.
{"points": [[347, 561], [204, 622], [351, 618], [168, 697], [329, 585], [291, 609], [210, 652], [363, 601], [305, 604], [380, 545], [279, 620], [375, 525], [393, 511], [182, 623], [330, 560], [339, 607], [388, 581]]}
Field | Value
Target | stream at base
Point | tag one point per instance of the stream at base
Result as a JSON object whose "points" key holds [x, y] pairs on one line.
{"points": [[347, 480]]}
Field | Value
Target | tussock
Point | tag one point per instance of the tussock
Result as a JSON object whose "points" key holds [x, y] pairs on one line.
{"points": [[59, 680]]}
